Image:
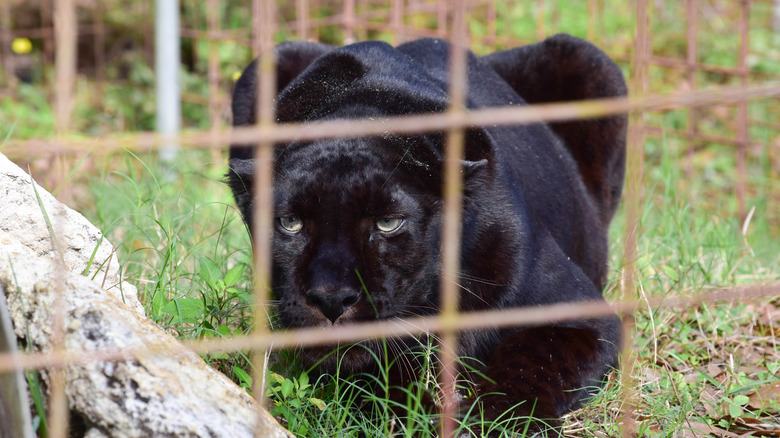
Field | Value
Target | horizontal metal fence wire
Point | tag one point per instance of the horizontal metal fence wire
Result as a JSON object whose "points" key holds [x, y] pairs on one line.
{"points": [[63, 26]]}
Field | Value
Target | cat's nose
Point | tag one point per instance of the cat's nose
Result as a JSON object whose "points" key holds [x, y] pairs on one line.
{"points": [[333, 303]]}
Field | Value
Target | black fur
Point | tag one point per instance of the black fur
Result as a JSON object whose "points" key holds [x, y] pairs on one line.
{"points": [[538, 201]]}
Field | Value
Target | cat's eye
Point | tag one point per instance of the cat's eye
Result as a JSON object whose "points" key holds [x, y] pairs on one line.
{"points": [[389, 224], [290, 224]]}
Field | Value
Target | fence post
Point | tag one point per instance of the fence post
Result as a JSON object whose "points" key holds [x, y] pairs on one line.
{"points": [[167, 58], [5, 48]]}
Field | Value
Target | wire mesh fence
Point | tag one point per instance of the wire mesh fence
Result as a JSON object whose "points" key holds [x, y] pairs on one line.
{"points": [[711, 82]]}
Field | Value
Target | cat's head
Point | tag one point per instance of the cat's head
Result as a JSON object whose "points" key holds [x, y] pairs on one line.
{"points": [[356, 233]]}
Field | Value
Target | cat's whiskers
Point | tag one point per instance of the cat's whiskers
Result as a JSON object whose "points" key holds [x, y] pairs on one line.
{"points": [[476, 279], [466, 289], [431, 335], [401, 357], [412, 311]]}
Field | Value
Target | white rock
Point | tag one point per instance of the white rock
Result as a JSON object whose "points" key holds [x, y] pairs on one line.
{"points": [[22, 217], [168, 391]]}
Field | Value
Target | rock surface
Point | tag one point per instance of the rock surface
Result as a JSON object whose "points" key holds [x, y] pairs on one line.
{"points": [[23, 217], [168, 391]]}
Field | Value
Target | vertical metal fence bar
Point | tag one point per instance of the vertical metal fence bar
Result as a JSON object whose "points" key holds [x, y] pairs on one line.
{"points": [[592, 14], [742, 136], [167, 85], [99, 45], [555, 19], [602, 26], [47, 36], [540, 20], [634, 162], [65, 39], [774, 174], [692, 59], [491, 18], [314, 29], [776, 20], [5, 51], [451, 229], [362, 9], [58, 401], [302, 19], [396, 20], [263, 31], [348, 21], [634, 158], [213, 18], [441, 18], [65, 29], [143, 7]]}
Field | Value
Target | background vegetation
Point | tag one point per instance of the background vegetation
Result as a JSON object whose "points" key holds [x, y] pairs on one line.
{"points": [[706, 370]]}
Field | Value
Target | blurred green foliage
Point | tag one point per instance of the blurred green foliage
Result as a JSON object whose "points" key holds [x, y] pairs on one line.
{"points": [[125, 100]]}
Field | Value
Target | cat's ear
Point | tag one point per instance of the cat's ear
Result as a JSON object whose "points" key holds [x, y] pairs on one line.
{"points": [[360, 80], [472, 168], [240, 178], [240, 174], [327, 79], [479, 155], [292, 58]]}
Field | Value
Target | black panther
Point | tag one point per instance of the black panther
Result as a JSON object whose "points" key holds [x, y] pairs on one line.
{"points": [[357, 233]]}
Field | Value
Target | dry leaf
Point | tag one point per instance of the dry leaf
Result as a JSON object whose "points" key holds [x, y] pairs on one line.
{"points": [[697, 430], [765, 396]]}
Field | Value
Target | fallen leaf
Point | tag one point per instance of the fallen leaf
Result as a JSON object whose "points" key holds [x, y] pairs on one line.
{"points": [[765, 396], [697, 430], [758, 427]]}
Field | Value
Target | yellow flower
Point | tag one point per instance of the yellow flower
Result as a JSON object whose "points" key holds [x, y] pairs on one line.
{"points": [[21, 46], [236, 75]]}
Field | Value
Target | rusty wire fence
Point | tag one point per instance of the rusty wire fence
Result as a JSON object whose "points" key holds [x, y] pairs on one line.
{"points": [[718, 98]]}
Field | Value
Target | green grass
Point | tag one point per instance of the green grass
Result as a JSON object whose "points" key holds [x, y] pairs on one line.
{"points": [[183, 243], [704, 368], [708, 368]]}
